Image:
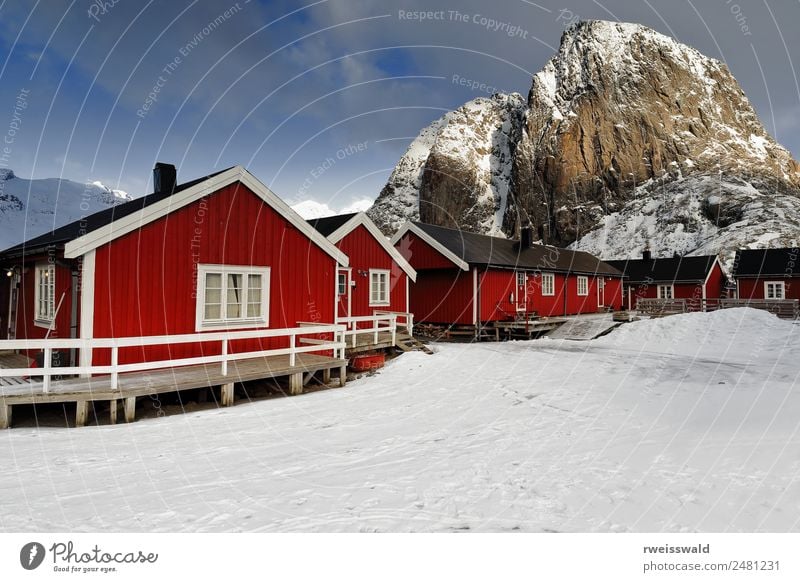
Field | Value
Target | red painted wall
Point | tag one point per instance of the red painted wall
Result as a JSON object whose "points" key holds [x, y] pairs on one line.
{"points": [[366, 253], [754, 288], [716, 283], [420, 255], [442, 296], [145, 281]]}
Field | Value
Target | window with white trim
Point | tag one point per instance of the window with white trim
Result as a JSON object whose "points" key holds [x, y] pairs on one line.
{"points": [[378, 287], [45, 292], [520, 279], [548, 284], [666, 292], [774, 290], [583, 285], [342, 284], [232, 296]]}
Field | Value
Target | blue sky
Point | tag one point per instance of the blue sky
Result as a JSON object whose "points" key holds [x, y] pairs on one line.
{"points": [[318, 99]]}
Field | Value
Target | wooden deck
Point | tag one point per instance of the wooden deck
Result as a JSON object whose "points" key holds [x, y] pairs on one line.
{"points": [[135, 384]]}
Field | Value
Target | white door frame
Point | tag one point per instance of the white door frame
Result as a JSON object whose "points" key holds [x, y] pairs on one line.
{"points": [[349, 273], [521, 305], [601, 291]]}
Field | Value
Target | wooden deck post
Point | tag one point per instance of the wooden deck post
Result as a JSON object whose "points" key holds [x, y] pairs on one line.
{"points": [[113, 410], [227, 394], [326, 376], [130, 408], [81, 412], [296, 384], [5, 415], [342, 376]]}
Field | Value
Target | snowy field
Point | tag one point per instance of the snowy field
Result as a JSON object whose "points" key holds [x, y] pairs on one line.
{"points": [[688, 423]]}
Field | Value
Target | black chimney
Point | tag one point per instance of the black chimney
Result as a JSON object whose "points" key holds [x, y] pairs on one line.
{"points": [[165, 177], [647, 255], [526, 237]]}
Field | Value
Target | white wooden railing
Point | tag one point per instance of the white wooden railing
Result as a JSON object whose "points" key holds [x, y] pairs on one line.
{"points": [[47, 371], [377, 323], [404, 319]]}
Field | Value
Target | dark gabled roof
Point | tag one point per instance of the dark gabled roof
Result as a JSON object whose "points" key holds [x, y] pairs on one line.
{"points": [[330, 224], [73, 230], [483, 250], [767, 262], [666, 270]]}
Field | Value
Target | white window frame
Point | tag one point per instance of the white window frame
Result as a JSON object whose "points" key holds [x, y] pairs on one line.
{"points": [[548, 284], [583, 285], [776, 285], [201, 324], [381, 302], [342, 288], [41, 319], [671, 291]]}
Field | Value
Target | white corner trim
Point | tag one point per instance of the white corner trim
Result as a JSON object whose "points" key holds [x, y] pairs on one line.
{"points": [[475, 296], [136, 220], [87, 304], [361, 219], [410, 227]]}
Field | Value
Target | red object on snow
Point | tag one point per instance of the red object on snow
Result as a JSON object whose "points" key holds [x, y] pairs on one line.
{"points": [[367, 362]]}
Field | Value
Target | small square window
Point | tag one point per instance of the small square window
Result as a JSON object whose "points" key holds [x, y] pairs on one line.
{"points": [[378, 288], [548, 284], [583, 285]]}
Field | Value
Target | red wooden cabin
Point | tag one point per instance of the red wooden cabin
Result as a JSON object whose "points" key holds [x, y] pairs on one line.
{"points": [[770, 274], [214, 254], [377, 278], [471, 279], [696, 279]]}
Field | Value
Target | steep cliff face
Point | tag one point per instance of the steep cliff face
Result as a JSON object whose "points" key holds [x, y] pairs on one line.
{"points": [[618, 110], [458, 170]]}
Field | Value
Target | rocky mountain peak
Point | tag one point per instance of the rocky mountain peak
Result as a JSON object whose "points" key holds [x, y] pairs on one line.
{"points": [[618, 110]]}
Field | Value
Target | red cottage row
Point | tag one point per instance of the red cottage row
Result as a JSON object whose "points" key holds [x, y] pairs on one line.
{"points": [[695, 279], [215, 254], [471, 279], [770, 274]]}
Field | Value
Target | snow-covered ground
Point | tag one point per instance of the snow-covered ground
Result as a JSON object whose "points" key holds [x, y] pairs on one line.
{"points": [[687, 423]]}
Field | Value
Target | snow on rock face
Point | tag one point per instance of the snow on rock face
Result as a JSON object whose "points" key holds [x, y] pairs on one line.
{"points": [[29, 208], [458, 170], [619, 105], [696, 215]]}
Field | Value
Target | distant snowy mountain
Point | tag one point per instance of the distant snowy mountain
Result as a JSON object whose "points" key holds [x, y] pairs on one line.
{"points": [[311, 209], [29, 208], [627, 137]]}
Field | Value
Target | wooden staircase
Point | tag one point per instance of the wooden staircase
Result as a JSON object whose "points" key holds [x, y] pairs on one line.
{"points": [[409, 343]]}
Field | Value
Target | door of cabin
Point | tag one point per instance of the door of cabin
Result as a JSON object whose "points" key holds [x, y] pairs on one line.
{"points": [[521, 294], [601, 292], [343, 293]]}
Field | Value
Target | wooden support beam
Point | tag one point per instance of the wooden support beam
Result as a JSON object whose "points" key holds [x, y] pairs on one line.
{"points": [[113, 411], [5, 415], [342, 376], [81, 412], [130, 408], [227, 394], [296, 384], [326, 376]]}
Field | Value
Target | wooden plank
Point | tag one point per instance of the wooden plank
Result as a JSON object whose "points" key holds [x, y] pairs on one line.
{"points": [[130, 409], [167, 380], [81, 412], [5, 415], [296, 384], [113, 411]]}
